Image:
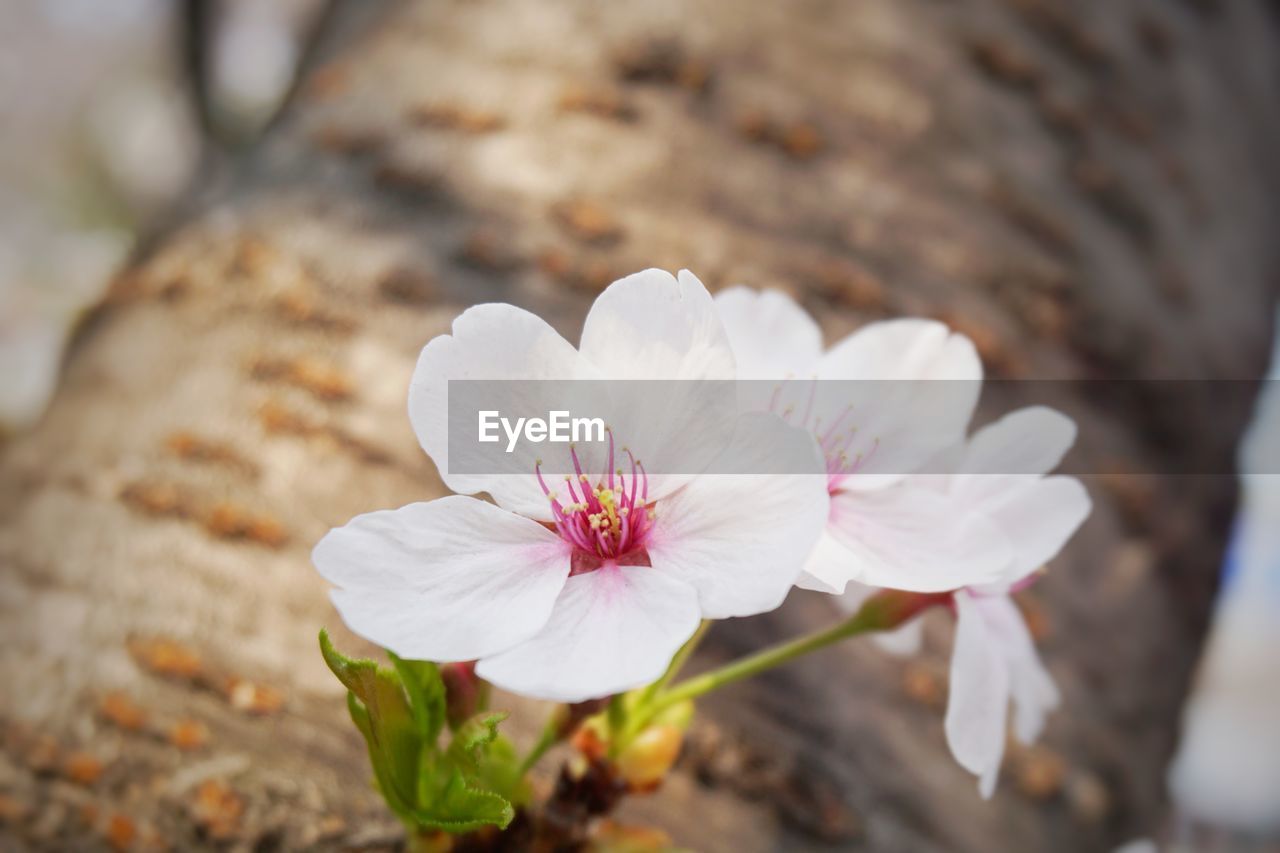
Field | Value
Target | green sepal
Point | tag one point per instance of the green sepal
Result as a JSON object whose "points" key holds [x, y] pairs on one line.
{"points": [[401, 714]]}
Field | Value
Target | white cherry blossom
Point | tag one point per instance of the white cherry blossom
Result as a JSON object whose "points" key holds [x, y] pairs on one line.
{"points": [[885, 528], [1000, 475], [582, 588]]}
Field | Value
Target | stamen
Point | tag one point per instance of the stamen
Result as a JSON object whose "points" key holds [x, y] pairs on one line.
{"points": [[537, 470], [609, 464], [808, 407], [568, 481], [600, 518], [631, 501]]}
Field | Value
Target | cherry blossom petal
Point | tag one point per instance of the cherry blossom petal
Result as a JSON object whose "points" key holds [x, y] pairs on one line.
{"points": [[978, 704], [1029, 441], [1034, 693], [493, 342], [772, 337], [1038, 515], [915, 538], [653, 325], [828, 566], [742, 539], [903, 349], [452, 579], [898, 416], [611, 630]]}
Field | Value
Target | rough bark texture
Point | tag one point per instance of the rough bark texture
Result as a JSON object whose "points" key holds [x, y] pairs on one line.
{"points": [[1086, 188]]}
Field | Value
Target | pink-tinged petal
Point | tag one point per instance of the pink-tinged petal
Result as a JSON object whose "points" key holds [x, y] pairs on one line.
{"points": [[452, 579], [1028, 441], [653, 325], [912, 389], [493, 342], [611, 630], [742, 539], [1038, 515], [913, 537], [978, 704], [1033, 690], [772, 337]]}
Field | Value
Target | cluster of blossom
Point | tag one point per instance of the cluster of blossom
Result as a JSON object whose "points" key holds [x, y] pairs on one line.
{"points": [[593, 595]]}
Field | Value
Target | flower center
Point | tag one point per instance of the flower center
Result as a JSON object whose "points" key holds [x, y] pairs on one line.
{"points": [[607, 521]]}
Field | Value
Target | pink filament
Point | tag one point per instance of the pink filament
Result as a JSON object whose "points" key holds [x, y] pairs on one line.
{"points": [[622, 518]]}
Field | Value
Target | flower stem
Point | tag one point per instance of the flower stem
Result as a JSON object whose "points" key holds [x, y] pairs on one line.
{"points": [[681, 658], [883, 611], [551, 733]]}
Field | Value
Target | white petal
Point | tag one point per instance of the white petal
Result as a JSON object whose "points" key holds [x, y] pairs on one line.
{"points": [[654, 326], [612, 630], [899, 425], [913, 537], [1038, 517], [1034, 693], [651, 325], [492, 342], [903, 349], [827, 569], [453, 579], [979, 695], [772, 337], [1028, 441], [742, 539]]}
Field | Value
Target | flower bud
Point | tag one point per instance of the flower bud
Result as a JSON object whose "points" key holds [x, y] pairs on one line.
{"points": [[648, 757], [591, 738], [465, 693]]}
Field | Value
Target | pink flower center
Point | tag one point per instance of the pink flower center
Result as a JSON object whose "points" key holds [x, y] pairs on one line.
{"points": [[605, 522]]}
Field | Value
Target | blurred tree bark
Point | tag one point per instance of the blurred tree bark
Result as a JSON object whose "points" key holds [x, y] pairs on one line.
{"points": [[1088, 189]]}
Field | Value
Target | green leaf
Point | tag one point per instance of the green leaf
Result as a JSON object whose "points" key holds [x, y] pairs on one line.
{"points": [[401, 713], [381, 711], [456, 805], [383, 773], [425, 688], [500, 772], [469, 741], [487, 759]]}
